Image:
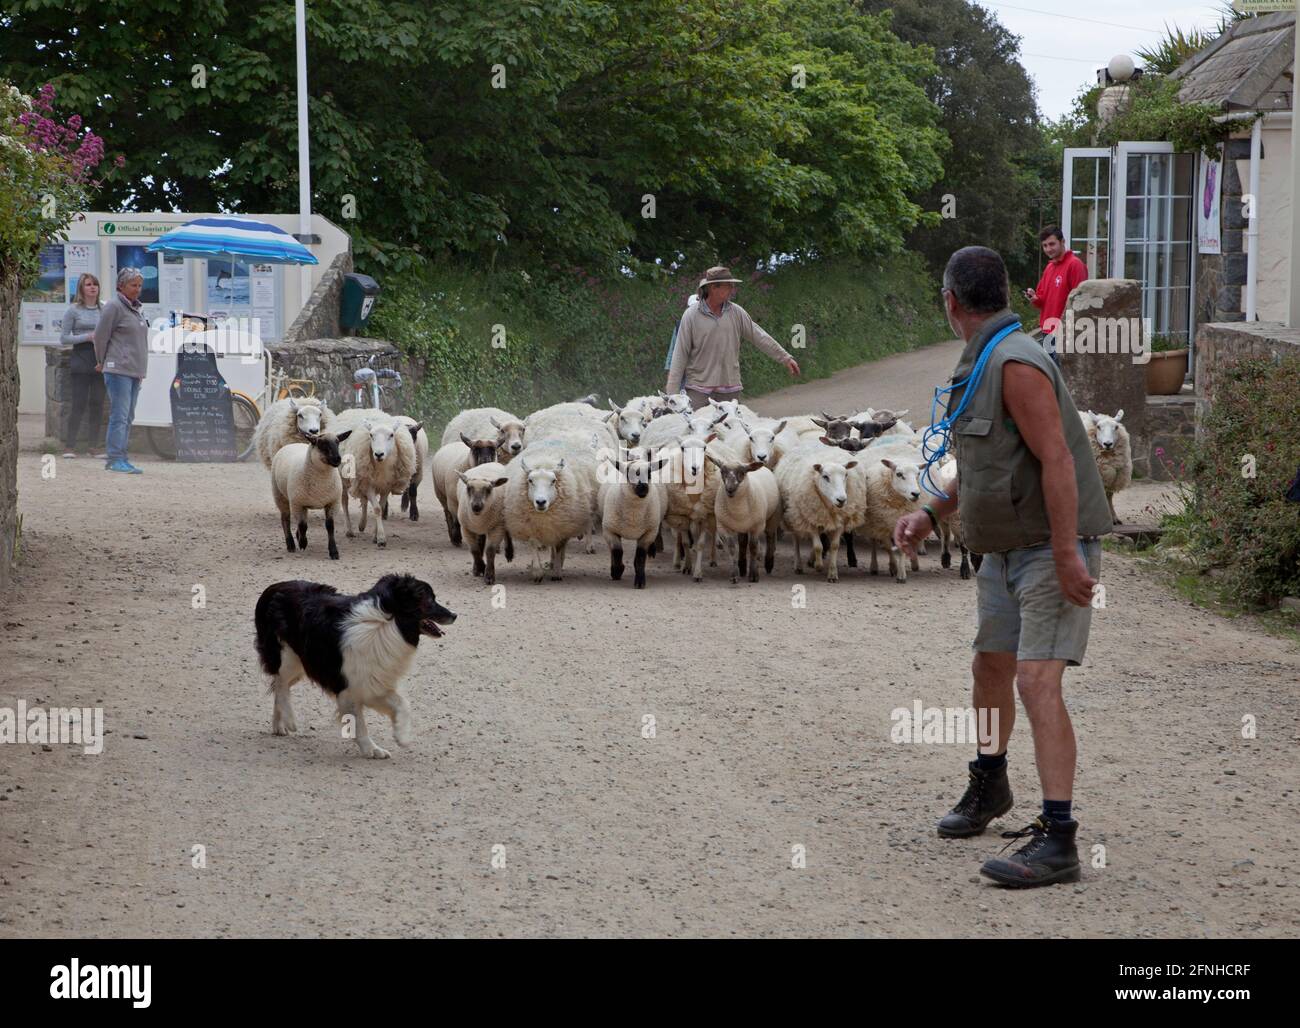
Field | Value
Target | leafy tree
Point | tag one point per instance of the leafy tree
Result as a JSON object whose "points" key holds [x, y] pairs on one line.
{"points": [[600, 103], [991, 115]]}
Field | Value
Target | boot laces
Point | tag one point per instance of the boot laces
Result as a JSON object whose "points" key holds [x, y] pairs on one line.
{"points": [[970, 800], [1038, 833]]}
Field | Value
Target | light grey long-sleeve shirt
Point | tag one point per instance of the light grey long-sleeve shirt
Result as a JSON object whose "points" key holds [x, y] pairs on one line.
{"points": [[78, 331], [122, 338], [707, 356]]}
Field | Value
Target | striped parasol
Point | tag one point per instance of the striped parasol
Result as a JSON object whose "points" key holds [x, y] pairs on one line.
{"points": [[228, 236]]}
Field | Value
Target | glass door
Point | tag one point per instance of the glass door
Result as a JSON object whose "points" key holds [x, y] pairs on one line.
{"points": [[1085, 207], [1154, 240]]}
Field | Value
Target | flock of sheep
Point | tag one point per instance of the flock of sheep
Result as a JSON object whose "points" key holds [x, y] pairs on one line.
{"points": [[636, 474]]}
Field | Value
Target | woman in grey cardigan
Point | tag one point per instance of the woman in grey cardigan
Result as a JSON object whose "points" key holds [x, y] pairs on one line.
{"points": [[122, 352], [87, 392]]}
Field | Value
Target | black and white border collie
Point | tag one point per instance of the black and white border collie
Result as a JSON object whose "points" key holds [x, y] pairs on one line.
{"points": [[355, 647]]}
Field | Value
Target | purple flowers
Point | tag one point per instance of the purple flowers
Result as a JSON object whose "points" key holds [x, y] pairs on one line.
{"points": [[45, 135]]}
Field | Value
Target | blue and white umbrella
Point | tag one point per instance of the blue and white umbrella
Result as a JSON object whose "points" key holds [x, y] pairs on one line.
{"points": [[228, 236]]}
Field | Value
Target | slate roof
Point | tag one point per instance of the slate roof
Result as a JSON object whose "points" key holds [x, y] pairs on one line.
{"points": [[1246, 68]]}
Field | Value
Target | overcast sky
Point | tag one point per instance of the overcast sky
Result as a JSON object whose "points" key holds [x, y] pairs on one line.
{"points": [[1062, 46]]}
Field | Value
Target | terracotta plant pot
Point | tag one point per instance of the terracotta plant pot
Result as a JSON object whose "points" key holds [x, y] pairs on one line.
{"points": [[1165, 372]]}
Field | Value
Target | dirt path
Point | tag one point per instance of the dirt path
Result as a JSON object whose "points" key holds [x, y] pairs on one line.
{"points": [[772, 731]]}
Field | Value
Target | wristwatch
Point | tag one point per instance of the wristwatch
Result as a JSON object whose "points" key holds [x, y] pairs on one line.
{"points": [[934, 520]]}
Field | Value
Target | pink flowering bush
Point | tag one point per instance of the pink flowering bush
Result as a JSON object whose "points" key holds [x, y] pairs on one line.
{"points": [[46, 175]]}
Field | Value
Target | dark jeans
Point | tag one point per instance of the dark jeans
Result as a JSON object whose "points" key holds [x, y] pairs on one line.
{"points": [[87, 401]]}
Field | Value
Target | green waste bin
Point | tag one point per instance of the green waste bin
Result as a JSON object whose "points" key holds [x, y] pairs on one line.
{"points": [[359, 294]]}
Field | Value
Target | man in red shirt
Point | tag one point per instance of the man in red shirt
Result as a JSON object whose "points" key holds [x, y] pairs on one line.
{"points": [[1064, 271]]}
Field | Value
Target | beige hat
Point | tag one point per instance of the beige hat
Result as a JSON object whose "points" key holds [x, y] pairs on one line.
{"points": [[715, 275]]}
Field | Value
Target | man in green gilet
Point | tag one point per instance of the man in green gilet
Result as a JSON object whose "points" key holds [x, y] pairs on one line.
{"points": [[1032, 503]]}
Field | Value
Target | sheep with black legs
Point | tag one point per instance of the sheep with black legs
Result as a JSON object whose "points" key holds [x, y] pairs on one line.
{"points": [[632, 507], [450, 459], [290, 420], [410, 501], [304, 476]]}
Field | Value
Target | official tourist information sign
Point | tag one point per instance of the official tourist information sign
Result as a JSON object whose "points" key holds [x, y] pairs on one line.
{"points": [[202, 414]]}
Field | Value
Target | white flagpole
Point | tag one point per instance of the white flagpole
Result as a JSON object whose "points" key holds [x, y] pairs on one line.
{"points": [[304, 153]]}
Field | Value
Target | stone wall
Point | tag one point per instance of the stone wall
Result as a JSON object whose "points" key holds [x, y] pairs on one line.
{"points": [[58, 393], [319, 318], [8, 426], [1108, 382], [330, 364], [1171, 427], [1219, 345]]}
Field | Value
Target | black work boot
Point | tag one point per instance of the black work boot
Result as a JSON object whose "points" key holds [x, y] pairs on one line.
{"points": [[1050, 856], [988, 796]]}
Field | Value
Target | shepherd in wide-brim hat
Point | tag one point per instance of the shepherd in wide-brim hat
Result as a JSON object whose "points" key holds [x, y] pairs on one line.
{"points": [[704, 358], [719, 275]]}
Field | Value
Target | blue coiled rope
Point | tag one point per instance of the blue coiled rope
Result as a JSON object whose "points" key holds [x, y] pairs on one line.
{"points": [[935, 440]]}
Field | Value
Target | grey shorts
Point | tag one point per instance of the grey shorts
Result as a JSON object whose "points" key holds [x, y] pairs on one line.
{"points": [[1021, 609]]}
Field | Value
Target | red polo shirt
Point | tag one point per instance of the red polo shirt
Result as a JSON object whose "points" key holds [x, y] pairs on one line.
{"points": [[1059, 279]]}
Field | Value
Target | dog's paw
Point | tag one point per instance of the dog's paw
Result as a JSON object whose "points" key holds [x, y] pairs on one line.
{"points": [[375, 752]]}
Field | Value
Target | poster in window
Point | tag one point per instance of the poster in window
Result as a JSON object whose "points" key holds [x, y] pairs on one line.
{"points": [[49, 284], [227, 289], [133, 256], [1208, 193], [78, 260]]}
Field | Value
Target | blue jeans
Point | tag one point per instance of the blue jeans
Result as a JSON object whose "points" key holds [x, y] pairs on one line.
{"points": [[123, 391]]}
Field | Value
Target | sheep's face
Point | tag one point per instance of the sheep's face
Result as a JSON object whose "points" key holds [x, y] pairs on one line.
{"points": [[629, 424], [1107, 429], [700, 424], [724, 409], [693, 447], [733, 475], [382, 440], [678, 403], [308, 417], [832, 482], [761, 443], [478, 491], [905, 478], [328, 447], [543, 489], [481, 451], [868, 429], [510, 436], [640, 473], [850, 444], [835, 428]]}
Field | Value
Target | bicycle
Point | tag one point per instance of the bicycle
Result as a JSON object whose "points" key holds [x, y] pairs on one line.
{"points": [[369, 376], [247, 411]]}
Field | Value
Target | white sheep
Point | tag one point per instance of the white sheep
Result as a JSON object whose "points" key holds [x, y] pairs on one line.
{"points": [[421, 440], [755, 440], [893, 489], [632, 506], [304, 476], [747, 503], [481, 422], [628, 422], [950, 528], [290, 420], [820, 495], [352, 418], [692, 487], [549, 500], [1113, 452], [481, 512], [377, 460], [450, 459]]}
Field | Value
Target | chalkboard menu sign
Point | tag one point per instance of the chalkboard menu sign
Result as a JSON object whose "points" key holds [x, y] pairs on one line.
{"points": [[202, 416]]}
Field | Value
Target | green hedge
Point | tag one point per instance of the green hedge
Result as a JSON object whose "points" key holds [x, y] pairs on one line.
{"points": [[1241, 526], [565, 336]]}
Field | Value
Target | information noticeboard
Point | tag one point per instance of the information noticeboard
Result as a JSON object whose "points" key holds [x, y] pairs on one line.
{"points": [[203, 416], [243, 289], [46, 300]]}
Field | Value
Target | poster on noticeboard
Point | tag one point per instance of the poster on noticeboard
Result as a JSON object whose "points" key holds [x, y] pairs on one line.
{"points": [[1208, 192]]}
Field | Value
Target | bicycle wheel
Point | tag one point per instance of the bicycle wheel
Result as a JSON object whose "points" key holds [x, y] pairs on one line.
{"points": [[246, 419], [163, 441]]}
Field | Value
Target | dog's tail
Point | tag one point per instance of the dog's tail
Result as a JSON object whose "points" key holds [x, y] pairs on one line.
{"points": [[266, 617]]}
